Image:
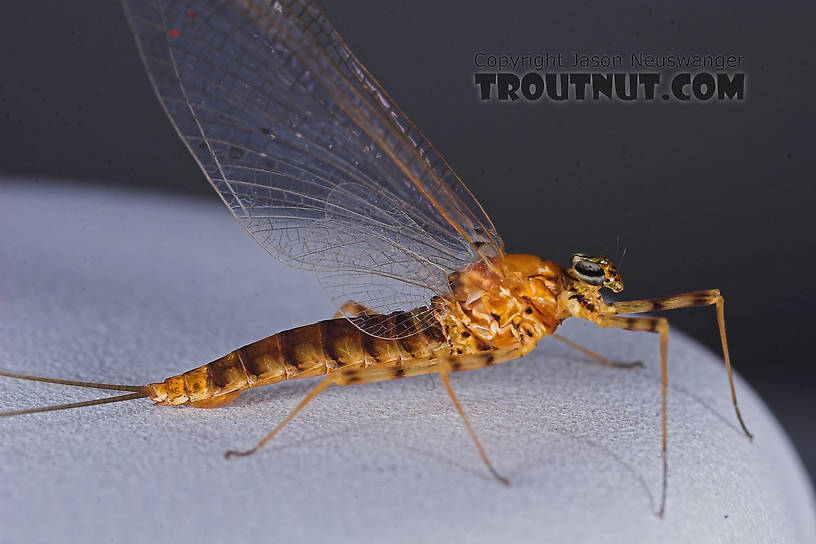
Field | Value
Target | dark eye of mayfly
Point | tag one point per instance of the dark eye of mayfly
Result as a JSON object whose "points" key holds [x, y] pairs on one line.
{"points": [[590, 272]]}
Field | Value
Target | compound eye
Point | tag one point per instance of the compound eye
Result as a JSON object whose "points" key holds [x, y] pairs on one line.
{"points": [[590, 272]]}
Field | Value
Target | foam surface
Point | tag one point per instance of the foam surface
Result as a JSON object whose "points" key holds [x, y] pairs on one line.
{"points": [[125, 287]]}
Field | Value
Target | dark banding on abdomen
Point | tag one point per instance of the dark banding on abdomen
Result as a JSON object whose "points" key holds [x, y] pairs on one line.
{"points": [[263, 360], [412, 343], [227, 373], [302, 351], [420, 344], [342, 344], [381, 350]]}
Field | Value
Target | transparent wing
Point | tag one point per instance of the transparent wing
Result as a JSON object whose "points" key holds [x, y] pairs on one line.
{"points": [[308, 151]]}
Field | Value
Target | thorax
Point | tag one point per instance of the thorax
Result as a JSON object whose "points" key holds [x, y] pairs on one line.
{"points": [[509, 301]]}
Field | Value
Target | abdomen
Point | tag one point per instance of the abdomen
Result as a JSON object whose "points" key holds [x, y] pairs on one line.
{"points": [[302, 352]]}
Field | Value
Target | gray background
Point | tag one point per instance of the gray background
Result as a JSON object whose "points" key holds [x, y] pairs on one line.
{"points": [[702, 195], [383, 462]]}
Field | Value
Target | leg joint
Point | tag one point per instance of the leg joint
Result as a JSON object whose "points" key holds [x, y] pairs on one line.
{"points": [[662, 325]]}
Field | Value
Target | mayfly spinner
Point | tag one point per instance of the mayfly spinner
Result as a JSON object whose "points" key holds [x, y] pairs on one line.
{"points": [[320, 166]]}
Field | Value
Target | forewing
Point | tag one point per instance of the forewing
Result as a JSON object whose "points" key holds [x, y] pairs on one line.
{"points": [[308, 152]]}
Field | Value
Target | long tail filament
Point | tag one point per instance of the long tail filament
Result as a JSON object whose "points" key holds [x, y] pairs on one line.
{"points": [[137, 392]]}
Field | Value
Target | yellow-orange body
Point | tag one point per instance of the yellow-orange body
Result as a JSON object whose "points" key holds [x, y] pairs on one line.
{"points": [[507, 302], [496, 310], [311, 350]]}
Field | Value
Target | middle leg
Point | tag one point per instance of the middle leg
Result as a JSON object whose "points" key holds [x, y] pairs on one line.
{"points": [[601, 359], [358, 375], [660, 326], [443, 374]]}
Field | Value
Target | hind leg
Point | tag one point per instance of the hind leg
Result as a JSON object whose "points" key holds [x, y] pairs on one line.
{"points": [[443, 365], [352, 308], [324, 383]]}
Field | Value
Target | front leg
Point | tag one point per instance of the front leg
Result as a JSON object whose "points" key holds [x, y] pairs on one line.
{"points": [[686, 300]]}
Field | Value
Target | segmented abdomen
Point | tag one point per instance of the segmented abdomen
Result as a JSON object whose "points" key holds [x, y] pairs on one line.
{"points": [[306, 351]]}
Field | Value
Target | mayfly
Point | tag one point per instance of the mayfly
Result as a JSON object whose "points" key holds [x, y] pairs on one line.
{"points": [[322, 168]]}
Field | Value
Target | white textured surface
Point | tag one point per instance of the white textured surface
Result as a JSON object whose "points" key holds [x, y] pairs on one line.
{"points": [[130, 288]]}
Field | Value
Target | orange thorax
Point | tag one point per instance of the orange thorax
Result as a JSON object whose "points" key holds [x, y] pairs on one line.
{"points": [[510, 301]]}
